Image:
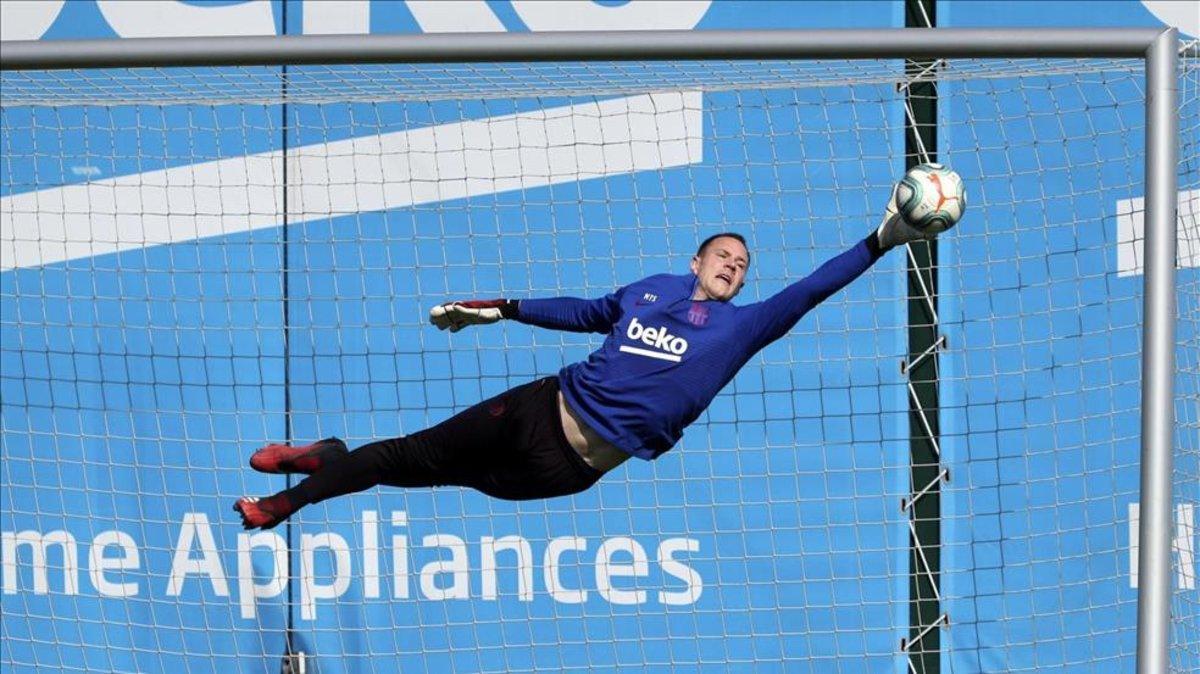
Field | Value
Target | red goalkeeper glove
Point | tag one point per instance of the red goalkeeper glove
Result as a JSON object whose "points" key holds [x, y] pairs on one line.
{"points": [[458, 315]]}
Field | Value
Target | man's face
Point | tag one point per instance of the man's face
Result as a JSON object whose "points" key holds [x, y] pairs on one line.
{"points": [[720, 269]]}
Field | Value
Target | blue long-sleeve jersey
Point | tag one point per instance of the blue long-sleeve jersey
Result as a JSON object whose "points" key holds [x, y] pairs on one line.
{"points": [[667, 355]]}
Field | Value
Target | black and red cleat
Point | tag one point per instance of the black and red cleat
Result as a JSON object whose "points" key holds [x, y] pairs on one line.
{"points": [[306, 459], [263, 513]]}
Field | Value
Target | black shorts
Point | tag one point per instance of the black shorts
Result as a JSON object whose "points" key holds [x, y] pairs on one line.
{"points": [[511, 447]]}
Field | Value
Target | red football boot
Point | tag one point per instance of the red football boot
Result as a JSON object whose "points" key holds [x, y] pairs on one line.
{"points": [[263, 513], [306, 459]]}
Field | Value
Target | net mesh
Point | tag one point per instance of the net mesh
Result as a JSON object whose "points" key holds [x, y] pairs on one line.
{"points": [[381, 83], [194, 262], [1185, 605]]}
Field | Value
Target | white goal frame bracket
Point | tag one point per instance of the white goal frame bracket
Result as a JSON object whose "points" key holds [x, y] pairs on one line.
{"points": [[1159, 48]]}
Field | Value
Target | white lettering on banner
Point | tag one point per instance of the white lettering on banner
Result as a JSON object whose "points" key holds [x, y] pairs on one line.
{"points": [[399, 557], [195, 527], [99, 563], [27, 19], [550, 565], [1131, 233], [461, 16], [667, 346], [39, 546], [310, 589], [456, 567], [1182, 545], [370, 173], [607, 569], [370, 539], [327, 566], [489, 546], [540, 15], [336, 17], [1185, 535], [171, 18], [672, 567], [1176, 13], [249, 591]]}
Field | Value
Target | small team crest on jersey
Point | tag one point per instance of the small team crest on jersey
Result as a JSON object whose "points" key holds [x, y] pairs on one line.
{"points": [[698, 314]]}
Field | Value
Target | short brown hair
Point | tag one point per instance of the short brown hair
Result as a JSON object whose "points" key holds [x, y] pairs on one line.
{"points": [[732, 235]]}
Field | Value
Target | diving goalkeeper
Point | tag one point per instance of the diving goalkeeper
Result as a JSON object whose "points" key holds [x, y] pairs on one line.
{"points": [[673, 341]]}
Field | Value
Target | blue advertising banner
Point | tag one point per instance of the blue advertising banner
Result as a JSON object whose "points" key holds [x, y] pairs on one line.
{"points": [[183, 279], [1040, 537]]}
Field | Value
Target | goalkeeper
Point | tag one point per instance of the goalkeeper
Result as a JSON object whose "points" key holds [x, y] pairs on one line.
{"points": [[673, 341]]}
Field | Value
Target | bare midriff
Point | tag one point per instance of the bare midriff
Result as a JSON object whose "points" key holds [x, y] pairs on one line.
{"points": [[595, 450]]}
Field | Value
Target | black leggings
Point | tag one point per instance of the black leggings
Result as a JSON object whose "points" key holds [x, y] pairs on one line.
{"points": [[511, 447]]}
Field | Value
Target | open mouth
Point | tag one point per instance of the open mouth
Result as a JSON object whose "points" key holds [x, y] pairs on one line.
{"points": [[725, 278]]}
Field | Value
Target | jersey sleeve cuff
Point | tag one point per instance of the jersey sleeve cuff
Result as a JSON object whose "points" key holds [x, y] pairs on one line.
{"points": [[874, 246]]}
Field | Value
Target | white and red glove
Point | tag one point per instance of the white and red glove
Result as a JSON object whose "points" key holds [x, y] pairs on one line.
{"points": [[895, 230], [458, 315]]}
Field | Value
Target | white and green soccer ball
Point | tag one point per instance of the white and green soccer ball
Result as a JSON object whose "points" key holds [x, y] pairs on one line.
{"points": [[931, 198]]}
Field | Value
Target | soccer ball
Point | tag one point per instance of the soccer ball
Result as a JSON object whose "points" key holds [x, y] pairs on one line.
{"points": [[931, 198]]}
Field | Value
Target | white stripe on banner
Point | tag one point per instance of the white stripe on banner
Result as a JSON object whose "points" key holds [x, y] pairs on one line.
{"points": [[372, 173], [653, 354], [1131, 232], [1182, 545]]}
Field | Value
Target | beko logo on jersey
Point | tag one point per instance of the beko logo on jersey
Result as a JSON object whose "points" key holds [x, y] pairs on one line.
{"points": [[668, 346]]}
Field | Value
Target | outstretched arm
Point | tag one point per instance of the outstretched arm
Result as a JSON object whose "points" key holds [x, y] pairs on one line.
{"points": [[773, 317], [571, 313], [561, 313]]}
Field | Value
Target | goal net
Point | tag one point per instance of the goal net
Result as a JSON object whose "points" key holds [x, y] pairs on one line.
{"points": [[197, 261]]}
